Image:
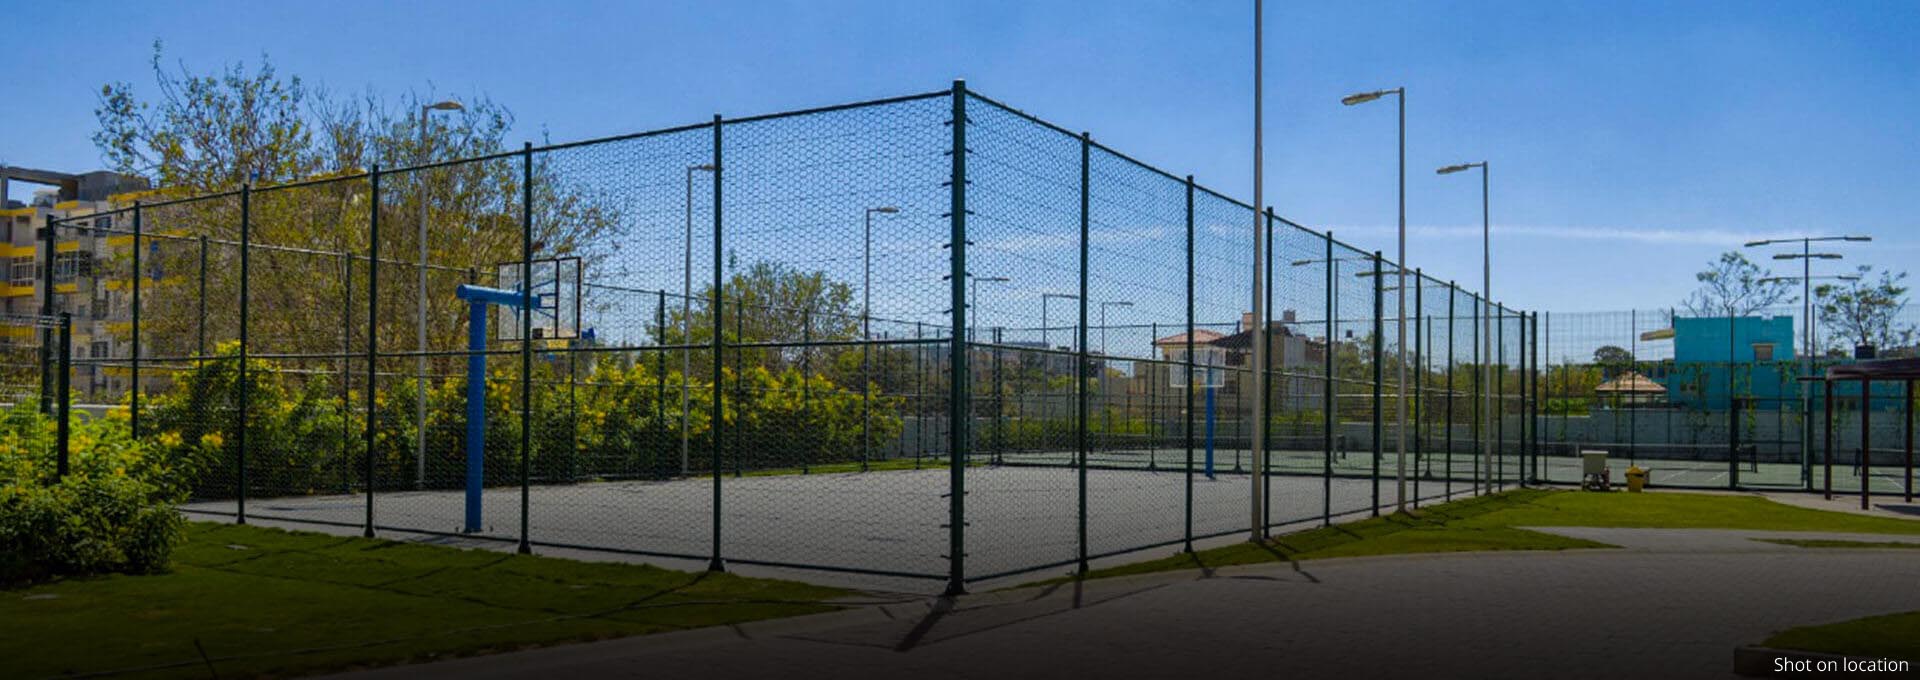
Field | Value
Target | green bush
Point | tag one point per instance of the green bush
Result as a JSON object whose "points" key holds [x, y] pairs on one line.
{"points": [[113, 511]]}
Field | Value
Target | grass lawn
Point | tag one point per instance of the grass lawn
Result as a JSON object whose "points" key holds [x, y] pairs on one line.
{"points": [[1893, 636], [1491, 523], [244, 601]]}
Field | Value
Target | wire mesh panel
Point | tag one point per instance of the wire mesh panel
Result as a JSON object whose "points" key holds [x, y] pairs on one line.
{"points": [[189, 331], [1136, 273], [802, 272], [1023, 196]]}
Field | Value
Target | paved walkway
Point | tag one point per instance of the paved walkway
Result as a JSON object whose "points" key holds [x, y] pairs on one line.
{"points": [[1672, 604]]}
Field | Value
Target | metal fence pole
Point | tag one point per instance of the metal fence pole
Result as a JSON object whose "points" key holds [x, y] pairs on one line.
{"points": [[240, 438], [1190, 382], [200, 326], [660, 373], [1266, 389], [1452, 290], [1419, 373], [1328, 420], [717, 423], [1081, 359], [958, 384], [373, 326], [1379, 330], [526, 339], [133, 386], [1499, 359], [48, 336], [63, 392], [1481, 459]]}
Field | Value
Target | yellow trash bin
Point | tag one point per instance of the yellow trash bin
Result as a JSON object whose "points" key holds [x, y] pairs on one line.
{"points": [[1636, 479]]}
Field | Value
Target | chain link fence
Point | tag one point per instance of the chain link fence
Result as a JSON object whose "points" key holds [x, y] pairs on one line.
{"points": [[1720, 402], [928, 337]]}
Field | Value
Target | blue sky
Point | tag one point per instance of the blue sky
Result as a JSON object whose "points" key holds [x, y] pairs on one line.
{"points": [[1630, 141]]}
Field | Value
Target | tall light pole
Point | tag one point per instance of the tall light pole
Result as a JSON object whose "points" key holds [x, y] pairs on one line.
{"points": [[1806, 256], [973, 320], [1044, 297], [1486, 319], [420, 362], [866, 330], [686, 316], [1400, 402], [1103, 321]]}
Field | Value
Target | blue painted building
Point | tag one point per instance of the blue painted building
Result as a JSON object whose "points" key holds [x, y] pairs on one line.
{"points": [[1759, 350]]}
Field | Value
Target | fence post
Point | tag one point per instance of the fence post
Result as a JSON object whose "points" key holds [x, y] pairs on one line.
{"points": [[1546, 380], [1481, 458], [1082, 360], [958, 384], [1266, 389], [1379, 330], [1452, 309], [1328, 403], [526, 338], [373, 326], [200, 326], [48, 336], [63, 391], [1520, 348], [1499, 359], [1419, 373], [660, 370], [716, 420], [999, 401], [133, 386], [246, 396], [1191, 364]]}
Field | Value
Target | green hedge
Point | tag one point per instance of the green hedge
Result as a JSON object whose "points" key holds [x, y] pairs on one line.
{"points": [[608, 421], [113, 512]]}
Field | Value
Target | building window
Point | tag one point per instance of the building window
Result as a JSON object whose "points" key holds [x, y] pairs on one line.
{"points": [[99, 350], [72, 265], [1763, 351], [100, 226], [23, 271]]}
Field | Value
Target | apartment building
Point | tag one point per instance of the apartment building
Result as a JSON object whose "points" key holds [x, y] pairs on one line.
{"points": [[100, 302]]}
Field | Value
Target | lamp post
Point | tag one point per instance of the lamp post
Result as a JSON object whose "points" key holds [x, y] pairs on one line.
{"points": [[1806, 256], [973, 319], [866, 331], [420, 362], [1400, 261], [686, 315], [1486, 319], [1044, 297]]}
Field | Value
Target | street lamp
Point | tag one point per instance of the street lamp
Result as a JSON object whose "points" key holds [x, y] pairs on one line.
{"points": [[686, 316], [1486, 319], [1806, 256], [1044, 297], [1400, 405], [866, 330], [1103, 321], [974, 319], [420, 362]]}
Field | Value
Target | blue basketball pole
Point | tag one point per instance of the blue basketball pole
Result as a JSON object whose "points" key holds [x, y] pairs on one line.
{"points": [[478, 298], [476, 407]]}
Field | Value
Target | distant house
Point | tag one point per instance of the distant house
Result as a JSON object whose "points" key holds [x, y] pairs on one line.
{"points": [[1760, 351], [1295, 359]]}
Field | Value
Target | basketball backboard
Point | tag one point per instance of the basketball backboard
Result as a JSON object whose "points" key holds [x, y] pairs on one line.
{"points": [[556, 290]]}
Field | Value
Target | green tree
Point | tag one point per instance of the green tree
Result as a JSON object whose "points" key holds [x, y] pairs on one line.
{"points": [[1734, 286], [1866, 311]]}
